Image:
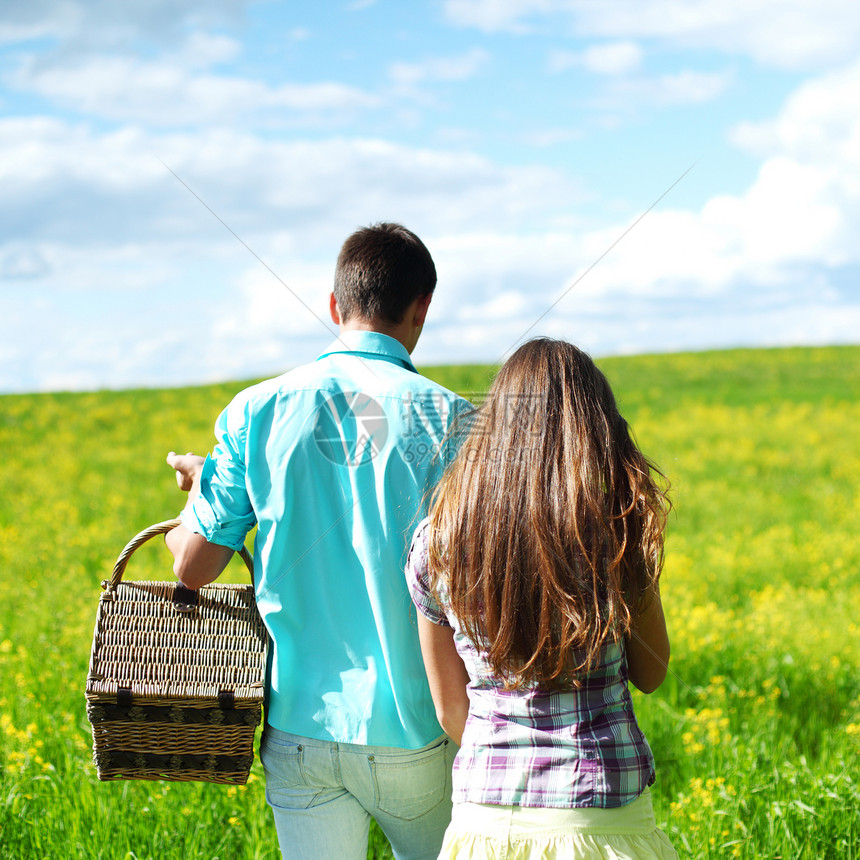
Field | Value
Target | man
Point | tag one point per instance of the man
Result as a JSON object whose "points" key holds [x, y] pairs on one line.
{"points": [[333, 463]]}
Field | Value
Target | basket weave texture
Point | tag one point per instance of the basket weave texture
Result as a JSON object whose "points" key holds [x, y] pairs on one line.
{"points": [[175, 690]]}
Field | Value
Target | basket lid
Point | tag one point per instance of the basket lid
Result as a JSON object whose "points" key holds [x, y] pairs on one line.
{"points": [[145, 644]]}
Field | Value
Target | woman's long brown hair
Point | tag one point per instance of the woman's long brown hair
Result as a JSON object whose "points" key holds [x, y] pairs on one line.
{"points": [[547, 529]]}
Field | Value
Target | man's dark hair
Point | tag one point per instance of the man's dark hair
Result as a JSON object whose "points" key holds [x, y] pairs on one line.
{"points": [[381, 270]]}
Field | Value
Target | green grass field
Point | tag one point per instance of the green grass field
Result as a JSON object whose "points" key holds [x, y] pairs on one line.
{"points": [[756, 732]]}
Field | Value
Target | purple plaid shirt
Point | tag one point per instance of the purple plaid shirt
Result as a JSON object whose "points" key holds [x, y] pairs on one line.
{"points": [[580, 747]]}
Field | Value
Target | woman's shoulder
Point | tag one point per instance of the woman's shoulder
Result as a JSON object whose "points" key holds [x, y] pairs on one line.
{"points": [[421, 535], [424, 595], [419, 550]]}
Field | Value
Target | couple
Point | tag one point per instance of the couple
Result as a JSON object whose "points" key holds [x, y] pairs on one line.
{"points": [[534, 577]]}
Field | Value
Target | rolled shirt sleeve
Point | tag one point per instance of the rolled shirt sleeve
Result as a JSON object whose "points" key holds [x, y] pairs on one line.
{"points": [[418, 577], [222, 512]]}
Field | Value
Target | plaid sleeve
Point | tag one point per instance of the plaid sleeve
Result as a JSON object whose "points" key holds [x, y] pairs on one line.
{"points": [[418, 576]]}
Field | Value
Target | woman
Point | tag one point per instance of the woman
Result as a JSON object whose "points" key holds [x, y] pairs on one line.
{"points": [[536, 582]]}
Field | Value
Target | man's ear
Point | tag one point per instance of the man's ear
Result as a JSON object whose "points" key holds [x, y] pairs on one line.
{"points": [[421, 306], [334, 310]]}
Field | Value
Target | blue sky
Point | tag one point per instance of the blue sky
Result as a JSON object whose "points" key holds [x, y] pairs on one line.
{"points": [[541, 148]]}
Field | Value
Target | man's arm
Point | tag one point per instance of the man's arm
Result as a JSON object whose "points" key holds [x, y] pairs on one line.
{"points": [[196, 561]]}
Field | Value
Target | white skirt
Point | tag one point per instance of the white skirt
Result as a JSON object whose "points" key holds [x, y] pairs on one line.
{"points": [[481, 831]]}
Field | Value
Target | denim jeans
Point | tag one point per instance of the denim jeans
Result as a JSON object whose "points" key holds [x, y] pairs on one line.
{"points": [[323, 795]]}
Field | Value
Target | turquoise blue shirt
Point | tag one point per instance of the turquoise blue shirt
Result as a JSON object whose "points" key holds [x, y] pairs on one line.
{"points": [[333, 462]]}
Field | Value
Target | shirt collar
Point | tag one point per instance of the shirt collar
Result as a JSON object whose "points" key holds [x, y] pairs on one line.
{"points": [[370, 344]]}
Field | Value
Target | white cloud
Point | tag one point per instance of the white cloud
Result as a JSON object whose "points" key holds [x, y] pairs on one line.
{"points": [[24, 30], [616, 58], [95, 221], [493, 16], [167, 93], [758, 253], [813, 172], [98, 239], [150, 315], [201, 50], [818, 121], [802, 210], [776, 265], [22, 261], [783, 33], [67, 183], [433, 69], [87, 24], [788, 215], [265, 310], [681, 88], [612, 58], [623, 89]]}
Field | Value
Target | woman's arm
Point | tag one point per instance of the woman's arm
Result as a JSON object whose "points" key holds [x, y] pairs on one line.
{"points": [[447, 675], [648, 648]]}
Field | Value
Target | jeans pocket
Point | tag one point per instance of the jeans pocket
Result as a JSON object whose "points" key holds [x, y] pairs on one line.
{"points": [[408, 785], [283, 762]]}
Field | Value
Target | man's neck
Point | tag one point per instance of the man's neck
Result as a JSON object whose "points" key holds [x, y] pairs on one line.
{"points": [[406, 332], [401, 333]]}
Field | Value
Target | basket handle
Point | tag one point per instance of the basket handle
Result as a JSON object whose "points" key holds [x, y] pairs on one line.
{"points": [[152, 531]]}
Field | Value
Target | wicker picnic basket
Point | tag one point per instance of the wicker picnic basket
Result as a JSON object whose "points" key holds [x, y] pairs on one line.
{"points": [[176, 678]]}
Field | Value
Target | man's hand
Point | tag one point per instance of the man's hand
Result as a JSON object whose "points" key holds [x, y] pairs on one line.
{"points": [[197, 562], [188, 467]]}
